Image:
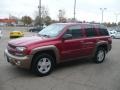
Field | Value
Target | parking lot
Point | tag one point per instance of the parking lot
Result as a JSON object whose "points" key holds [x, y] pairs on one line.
{"points": [[79, 75]]}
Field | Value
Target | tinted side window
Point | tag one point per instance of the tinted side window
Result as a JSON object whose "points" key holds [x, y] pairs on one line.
{"points": [[90, 32], [75, 31], [103, 32]]}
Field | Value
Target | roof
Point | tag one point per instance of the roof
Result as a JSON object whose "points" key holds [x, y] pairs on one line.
{"points": [[94, 24]]}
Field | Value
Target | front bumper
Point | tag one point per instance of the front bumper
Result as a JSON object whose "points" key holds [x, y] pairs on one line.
{"points": [[22, 62], [109, 47], [15, 36]]}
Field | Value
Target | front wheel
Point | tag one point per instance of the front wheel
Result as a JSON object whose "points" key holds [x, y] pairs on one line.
{"points": [[43, 65], [100, 55]]}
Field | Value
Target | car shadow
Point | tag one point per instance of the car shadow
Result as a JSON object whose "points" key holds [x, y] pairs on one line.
{"points": [[74, 63], [62, 66], [23, 72]]}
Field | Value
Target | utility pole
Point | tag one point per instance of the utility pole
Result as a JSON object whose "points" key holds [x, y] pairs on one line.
{"points": [[60, 15], [102, 10], [39, 7], [74, 10]]}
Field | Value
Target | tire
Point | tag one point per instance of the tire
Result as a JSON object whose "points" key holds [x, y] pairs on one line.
{"points": [[43, 65], [100, 55]]}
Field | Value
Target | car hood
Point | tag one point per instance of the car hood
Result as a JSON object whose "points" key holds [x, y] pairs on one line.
{"points": [[24, 41]]}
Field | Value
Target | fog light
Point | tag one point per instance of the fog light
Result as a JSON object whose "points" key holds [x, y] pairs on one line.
{"points": [[19, 54], [18, 63]]}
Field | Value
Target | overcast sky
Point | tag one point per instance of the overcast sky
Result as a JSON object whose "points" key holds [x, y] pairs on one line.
{"points": [[88, 10]]}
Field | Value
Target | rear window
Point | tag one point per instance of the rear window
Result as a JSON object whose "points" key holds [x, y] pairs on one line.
{"points": [[90, 32], [103, 32]]}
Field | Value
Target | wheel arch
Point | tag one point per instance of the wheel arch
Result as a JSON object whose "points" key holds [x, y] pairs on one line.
{"points": [[103, 45], [51, 50]]}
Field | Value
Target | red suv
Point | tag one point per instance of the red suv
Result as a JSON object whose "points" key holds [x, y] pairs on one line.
{"points": [[59, 42]]}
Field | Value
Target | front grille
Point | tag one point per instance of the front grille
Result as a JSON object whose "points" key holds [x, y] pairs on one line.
{"points": [[11, 52], [11, 49], [12, 46]]}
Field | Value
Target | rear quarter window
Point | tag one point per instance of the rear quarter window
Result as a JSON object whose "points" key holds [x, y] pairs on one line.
{"points": [[103, 32], [90, 32]]}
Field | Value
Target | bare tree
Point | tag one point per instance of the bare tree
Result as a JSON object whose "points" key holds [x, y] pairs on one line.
{"points": [[44, 12], [47, 20], [44, 15], [26, 20], [61, 16]]}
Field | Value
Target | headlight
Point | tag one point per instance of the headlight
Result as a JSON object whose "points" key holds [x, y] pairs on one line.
{"points": [[21, 49]]}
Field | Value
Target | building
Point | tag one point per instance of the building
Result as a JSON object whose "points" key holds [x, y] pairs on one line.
{"points": [[8, 22]]}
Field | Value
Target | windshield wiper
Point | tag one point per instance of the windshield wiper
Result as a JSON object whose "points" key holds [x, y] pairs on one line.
{"points": [[44, 35]]}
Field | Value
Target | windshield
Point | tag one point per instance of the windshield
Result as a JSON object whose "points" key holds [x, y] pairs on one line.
{"points": [[52, 30]]}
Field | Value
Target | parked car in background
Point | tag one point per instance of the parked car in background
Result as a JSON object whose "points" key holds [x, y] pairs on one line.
{"points": [[114, 34], [35, 29], [1, 34], [16, 34], [57, 43]]}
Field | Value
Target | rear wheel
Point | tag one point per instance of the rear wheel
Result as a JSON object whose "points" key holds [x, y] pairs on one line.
{"points": [[43, 65], [100, 55]]}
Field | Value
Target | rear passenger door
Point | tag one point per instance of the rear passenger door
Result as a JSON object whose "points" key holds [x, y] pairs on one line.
{"points": [[90, 40], [72, 48]]}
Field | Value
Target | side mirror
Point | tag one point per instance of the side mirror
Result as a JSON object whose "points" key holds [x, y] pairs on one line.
{"points": [[67, 36]]}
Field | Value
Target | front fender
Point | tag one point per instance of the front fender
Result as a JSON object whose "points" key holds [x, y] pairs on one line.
{"points": [[45, 48]]}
